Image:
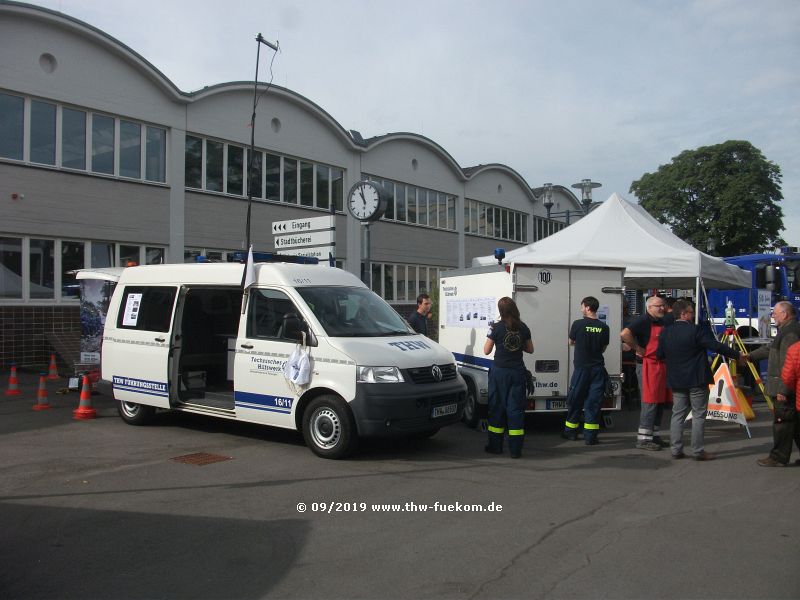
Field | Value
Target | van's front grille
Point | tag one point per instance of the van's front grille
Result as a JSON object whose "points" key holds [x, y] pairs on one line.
{"points": [[428, 374]]}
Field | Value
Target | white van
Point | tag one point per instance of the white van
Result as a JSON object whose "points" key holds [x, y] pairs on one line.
{"points": [[178, 337]]}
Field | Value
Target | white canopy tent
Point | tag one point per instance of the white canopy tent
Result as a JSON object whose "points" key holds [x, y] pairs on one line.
{"points": [[618, 233]]}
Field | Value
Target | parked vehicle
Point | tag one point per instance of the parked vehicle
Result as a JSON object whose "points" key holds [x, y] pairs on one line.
{"points": [[185, 337], [777, 273], [549, 299]]}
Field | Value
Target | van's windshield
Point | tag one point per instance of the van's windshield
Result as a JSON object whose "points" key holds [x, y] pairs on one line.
{"points": [[353, 312]]}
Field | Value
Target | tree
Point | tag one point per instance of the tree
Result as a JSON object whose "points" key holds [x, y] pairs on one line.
{"points": [[721, 199]]}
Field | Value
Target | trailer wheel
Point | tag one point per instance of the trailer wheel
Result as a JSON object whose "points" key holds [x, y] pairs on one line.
{"points": [[329, 428], [135, 414], [471, 416]]}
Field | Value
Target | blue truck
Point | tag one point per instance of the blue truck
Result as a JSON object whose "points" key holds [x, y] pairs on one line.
{"points": [[777, 273]]}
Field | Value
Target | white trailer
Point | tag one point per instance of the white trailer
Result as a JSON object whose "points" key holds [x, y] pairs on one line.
{"points": [[549, 299]]}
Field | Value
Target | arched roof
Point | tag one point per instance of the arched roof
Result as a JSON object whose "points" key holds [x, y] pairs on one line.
{"points": [[287, 94], [472, 172], [423, 141], [113, 45]]}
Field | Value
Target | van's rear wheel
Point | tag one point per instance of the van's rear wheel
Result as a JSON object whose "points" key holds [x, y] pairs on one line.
{"points": [[471, 416], [329, 428], [135, 414]]}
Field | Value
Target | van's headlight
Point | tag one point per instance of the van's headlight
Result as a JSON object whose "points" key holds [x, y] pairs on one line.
{"points": [[378, 375]]}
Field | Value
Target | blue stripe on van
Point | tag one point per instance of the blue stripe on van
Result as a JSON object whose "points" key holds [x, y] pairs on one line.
{"points": [[249, 400], [473, 360], [140, 386]]}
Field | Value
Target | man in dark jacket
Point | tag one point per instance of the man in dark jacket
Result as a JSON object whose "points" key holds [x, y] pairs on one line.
{"points": [[684, 347], [775, 353]]}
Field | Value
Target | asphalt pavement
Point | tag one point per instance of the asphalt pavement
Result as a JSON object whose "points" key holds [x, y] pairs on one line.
{"points": [[194, 507]]}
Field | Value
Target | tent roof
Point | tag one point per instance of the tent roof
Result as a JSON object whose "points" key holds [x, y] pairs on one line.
{"points": [[618, 233]]}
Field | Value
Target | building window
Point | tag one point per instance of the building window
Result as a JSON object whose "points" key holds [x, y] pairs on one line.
{"points": [[235, 166], [129, 256], [42, 139], [411, 204], [43, 133], [256, 173], [73, 139], [11, 268], [156, 155], [306, 184], [433, 200], [400, 202], [12, 128], [194, 162], [290, 180], [154, 256], [130, 150], [42, 269], [272, 169], [214, 162], [103, 129], [72, 258], [323, 186], [337, 188], [102, 254]]}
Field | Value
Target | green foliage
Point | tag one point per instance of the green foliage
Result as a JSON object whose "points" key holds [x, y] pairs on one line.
{"points": [[726, 194]]}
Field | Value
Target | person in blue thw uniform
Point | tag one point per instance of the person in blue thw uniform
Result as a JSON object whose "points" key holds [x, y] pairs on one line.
{"points": [[509, 338], [590, 337]]}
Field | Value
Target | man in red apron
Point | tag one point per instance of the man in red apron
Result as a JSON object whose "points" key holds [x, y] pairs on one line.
{"points": [[642, 335]]}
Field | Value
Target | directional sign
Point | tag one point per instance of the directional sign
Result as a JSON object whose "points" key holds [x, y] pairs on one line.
{"points": [[295, 240], [320, 252], [302, 225]]}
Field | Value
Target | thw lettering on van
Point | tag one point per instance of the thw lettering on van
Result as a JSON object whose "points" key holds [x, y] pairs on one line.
{"points": [[142, 386], [406, 346]]}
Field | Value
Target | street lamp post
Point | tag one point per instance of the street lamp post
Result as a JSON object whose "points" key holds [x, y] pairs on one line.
{"points": [[547, 202], [586, 186]]}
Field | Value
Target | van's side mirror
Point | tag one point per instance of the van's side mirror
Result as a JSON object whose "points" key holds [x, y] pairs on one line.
{"points": [[294, 327]]}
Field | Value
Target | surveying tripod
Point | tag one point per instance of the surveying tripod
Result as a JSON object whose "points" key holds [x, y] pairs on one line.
{"points": [[732, 338]]}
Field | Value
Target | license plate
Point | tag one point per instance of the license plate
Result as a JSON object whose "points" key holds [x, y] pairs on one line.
{"points": [[556, 404], [441, 411]]}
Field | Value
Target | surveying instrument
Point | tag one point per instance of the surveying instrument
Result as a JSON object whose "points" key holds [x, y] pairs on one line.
{"points": [[732, 338]]}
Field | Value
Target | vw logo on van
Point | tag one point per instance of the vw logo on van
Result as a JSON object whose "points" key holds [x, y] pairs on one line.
{"points": [[436, 372], [545, 277]]}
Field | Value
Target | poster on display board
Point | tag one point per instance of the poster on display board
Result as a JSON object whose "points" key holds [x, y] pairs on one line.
{"points": [[764, 311], [471, 312]]}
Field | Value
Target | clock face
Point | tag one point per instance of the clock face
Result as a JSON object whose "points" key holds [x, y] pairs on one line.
{"points": [[364, 202]]}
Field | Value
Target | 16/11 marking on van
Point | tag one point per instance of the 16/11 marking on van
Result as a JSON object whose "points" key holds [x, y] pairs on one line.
{"points": [[281, 404], [140, 386]]}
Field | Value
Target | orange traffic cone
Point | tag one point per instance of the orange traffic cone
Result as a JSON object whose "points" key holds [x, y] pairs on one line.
{"points": [[41, 396], [13, 382], [53, 371], [85, 410]]}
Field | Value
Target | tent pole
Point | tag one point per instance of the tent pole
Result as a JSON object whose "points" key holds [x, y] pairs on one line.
{"points": [[697, 302]]}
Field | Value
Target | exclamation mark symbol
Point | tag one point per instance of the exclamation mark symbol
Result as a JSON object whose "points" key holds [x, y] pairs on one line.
{"points": [[720, 384]]}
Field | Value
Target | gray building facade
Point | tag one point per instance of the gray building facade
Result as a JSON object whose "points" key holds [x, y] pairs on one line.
{"points": [[104, 162]]}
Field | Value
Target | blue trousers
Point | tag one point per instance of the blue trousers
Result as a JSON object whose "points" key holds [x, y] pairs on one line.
{"points": [[506, 408], [586, 390]]}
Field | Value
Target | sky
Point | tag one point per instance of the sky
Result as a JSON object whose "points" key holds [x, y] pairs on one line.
{"points": [[558, 90]]}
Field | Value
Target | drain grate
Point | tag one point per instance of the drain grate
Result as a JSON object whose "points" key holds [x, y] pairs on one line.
{"points": [[201, 458]]}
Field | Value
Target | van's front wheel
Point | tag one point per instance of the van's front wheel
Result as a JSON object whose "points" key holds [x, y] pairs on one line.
{"points": [[135, 414], [329, 428]]}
